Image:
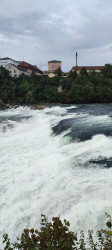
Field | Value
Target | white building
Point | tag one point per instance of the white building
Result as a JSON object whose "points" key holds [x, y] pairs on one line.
{"points": [[14, 71], [6, 60], [48, 73], [16, 68], [22, 68]]}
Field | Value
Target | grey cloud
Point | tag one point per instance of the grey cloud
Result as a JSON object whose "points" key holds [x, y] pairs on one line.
{"points": [[44, 30], [22, 23]]}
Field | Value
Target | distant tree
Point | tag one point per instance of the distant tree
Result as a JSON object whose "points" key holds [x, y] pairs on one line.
{"points": [[95, 78], [7, 86], [29, 98], [58, 72], [82, 79], [82, 93], [4, 73], [107, 71], [2, 105], [51, 94], [66, 83], [72, 75], [83, 72]]}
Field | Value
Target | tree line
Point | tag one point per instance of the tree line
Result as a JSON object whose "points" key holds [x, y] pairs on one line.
{"points": [[75, 88]]}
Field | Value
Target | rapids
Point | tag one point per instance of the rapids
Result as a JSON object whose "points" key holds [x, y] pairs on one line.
{"points": [[58, 162]]}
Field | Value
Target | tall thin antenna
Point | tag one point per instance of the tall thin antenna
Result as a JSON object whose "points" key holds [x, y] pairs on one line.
{"points": [[76, 58]]}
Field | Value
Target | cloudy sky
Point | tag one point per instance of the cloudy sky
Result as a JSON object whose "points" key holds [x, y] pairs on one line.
{"points": [[37, 31]]}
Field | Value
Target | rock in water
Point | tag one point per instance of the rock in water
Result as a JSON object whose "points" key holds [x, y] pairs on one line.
{"points": [[40, 107]]}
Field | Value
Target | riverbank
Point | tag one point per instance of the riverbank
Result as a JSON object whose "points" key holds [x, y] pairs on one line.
{"points": [[8, 106]]}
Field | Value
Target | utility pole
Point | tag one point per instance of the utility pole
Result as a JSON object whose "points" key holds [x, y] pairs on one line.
{"points": [[76, 58]]}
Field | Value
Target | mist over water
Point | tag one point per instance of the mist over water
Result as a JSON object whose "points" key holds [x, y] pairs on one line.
{"points": [[58, 162]]}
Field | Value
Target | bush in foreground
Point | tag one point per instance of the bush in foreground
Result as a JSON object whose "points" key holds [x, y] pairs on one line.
{"points": [[56, 235]]}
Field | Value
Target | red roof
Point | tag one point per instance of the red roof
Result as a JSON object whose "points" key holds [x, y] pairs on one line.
{"points": [[25, 66], [88, 67]]}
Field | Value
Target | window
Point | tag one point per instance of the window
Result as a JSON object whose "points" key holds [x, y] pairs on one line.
{"points": [[14, 70]]}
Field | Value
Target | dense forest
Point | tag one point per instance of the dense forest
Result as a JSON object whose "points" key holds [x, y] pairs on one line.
{"points": [[75, 88]]}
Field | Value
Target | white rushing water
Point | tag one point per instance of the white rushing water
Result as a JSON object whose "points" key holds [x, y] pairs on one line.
{"points": [[45, 173]]}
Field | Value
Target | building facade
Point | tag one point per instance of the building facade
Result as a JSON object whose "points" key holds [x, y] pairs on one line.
{"points": [[29, 68], [16, 68], [49, 73], [6, 60], [14, 71], [53, 65], [22, 68], [89, 69]]}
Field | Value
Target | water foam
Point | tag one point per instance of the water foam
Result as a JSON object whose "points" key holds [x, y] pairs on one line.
{"points": [[43, 173]]}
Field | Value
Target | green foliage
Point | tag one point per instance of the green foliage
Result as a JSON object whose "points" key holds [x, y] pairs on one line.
{"points": [[58, 72], [29, 97], [76, 88], [2, 105], [52, 235], [107, 71], [72, 75], [81, 94], [56, 235], [83, 72], [51, 94], [66, 83], [7, 86]]}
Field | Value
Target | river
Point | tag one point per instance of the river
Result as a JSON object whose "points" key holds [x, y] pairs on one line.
{"points": [[58, 162]]}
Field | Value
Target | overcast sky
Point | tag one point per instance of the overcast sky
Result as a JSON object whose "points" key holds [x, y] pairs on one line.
{"points": [[37, 31]]}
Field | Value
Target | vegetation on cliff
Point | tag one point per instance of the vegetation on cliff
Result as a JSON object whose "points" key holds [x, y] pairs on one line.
{"points": [[81, 88]]}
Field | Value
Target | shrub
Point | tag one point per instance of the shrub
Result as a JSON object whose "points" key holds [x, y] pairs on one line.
{"points": [[56, 235]]}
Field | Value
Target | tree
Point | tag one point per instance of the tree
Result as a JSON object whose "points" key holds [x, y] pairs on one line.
{"points": [[58, 72], [83, 72], [56, 235], [2, 105], [29, 98], [52, 235], [72, 75], [82, 79], [7, 86], [107, 71], [82, 93], [66, 83], [51, 94]]}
